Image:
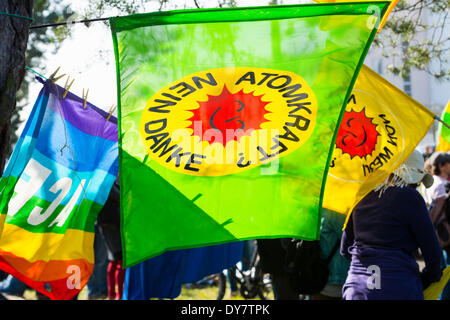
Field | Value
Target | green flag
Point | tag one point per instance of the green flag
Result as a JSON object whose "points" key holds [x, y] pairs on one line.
{"points": [[227, 119]]}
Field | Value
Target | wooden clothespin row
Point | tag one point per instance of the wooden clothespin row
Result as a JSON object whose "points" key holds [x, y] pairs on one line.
{"points": [[113, 107], [85, 98], [67, 87], [53, 77]]}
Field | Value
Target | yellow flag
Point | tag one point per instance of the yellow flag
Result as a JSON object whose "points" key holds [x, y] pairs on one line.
{"points": [[374, 12], [380, 128], [435, 289]]}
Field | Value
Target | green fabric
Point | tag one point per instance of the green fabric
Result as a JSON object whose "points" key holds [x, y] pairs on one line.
{"points": [[84, 219], [444, 131], [162, 209], [330, 234]]}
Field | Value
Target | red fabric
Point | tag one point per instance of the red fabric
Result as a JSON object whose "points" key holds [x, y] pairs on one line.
{"points": [[115, 276], [59, 288]]}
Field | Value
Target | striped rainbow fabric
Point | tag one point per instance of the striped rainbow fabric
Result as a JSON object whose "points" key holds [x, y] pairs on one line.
{"points": [[57, 180], [444, 132]]}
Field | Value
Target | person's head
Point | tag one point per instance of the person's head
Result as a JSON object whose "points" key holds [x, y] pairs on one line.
{"points": [[428, 167], [428, 149], [440, 164], [413, 172], [410, 173]]}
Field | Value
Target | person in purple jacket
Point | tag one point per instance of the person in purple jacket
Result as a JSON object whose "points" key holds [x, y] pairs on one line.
{"points": [[384, 232]]}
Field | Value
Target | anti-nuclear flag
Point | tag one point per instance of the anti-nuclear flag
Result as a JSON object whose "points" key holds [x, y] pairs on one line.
{"points": [[57, 180], [374, 10], [227, 118], [380, 129], [444, 131]]}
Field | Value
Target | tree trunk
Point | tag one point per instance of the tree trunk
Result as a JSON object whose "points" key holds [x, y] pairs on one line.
{"points": [[13, 44]]}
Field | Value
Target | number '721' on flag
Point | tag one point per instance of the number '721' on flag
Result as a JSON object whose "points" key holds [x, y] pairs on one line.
{"points": [[227, 118]]}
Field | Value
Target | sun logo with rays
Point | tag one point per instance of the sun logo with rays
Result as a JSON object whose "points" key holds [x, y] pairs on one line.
{"points": [[223, 121], [357, 135], [238, 112]]}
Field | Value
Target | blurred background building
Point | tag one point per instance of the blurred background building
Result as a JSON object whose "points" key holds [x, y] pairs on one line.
{"points": [[420, 85]]}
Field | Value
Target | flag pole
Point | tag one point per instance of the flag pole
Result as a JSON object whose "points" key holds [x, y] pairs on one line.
{"points": [[440, 120]]}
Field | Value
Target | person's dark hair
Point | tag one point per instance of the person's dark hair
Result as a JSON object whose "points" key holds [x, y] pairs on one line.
{"points": [[436, 170], [440, 159]]}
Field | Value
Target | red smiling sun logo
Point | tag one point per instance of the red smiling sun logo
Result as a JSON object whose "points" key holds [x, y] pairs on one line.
{"points": [[357, 135], [232, 115]]}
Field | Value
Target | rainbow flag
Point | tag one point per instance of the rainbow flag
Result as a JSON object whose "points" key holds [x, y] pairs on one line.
{"points": [[56, 182], [444, 132], [227, 120]]}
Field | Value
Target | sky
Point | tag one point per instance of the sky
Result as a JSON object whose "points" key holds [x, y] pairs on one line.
{"points": [[88, 57]]}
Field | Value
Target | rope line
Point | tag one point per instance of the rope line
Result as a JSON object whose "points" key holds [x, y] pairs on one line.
{"points": [[15, 16], [67, 22], [34, 71]]}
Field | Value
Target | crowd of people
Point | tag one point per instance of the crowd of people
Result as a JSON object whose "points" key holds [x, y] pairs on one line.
{"points": [[402, 221]]}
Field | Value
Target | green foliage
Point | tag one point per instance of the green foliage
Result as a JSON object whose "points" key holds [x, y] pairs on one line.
{"points": [[97, 8], [42, 39], [408, 39], [414, 37], [39, 41]]}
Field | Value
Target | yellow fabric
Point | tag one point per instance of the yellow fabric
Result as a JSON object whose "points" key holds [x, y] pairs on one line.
{"points": [[386, 15], [2, 222], [435, 289], [375, 109], [47, 246], [443, 145]]}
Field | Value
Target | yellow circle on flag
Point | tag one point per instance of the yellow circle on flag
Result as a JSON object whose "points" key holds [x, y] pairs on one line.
{"points": [[369, 141], [222, 121]]}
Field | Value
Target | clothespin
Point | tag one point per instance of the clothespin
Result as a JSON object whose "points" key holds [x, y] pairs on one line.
{"points": [[85, 98], [66, 88], [53, 75], [113, 107]]}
